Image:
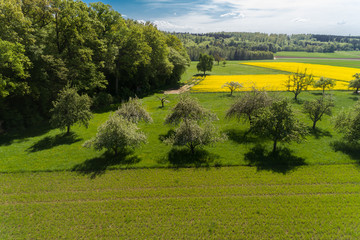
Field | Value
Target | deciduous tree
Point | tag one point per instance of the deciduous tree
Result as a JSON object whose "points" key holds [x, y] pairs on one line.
{"points": [[355, 83], [298, 82], [348, 123], [187, 109], [192, 135], [116, 134], [278, 123], [232, 86], [316, 108], [133, 111], [248, 104], [70, 108], [205, 63], [325, 83]]}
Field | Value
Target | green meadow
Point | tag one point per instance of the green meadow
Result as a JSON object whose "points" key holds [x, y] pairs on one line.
{"points": [[51, 187]]}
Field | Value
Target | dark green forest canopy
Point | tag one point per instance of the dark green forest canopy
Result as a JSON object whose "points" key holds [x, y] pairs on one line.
{"points": [[251, 46], [47, 44]]}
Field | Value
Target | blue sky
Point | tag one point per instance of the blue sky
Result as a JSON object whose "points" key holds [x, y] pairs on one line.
{"points": [[337, 17]]}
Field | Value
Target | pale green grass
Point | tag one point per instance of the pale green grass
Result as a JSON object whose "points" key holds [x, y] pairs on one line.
{"points": [[313, 202]]}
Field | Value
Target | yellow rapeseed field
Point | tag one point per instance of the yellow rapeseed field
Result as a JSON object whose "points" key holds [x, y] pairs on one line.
{"points": [[274, 82], [339, 73]]}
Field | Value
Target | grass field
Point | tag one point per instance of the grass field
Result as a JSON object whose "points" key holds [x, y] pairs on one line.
{"points": [[339, 54], [313, 202], [51, 187], [51, 151]]}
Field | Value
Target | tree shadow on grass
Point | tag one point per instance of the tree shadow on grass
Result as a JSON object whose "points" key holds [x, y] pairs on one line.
{"points": [[53, 141], [182, 157], [9, 138], [281, 161], [354, 98], [97, 166], [319, 133], [351, 149], [241, 136], [317, 93]]}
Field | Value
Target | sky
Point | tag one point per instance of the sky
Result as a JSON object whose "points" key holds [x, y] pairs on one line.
{"points": [[335, 17]]}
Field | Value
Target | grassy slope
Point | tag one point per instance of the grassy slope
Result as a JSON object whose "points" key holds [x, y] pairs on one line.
{"points": [[315, 196], [46, 150], [50, 151], [318, 202], [339, 54]]}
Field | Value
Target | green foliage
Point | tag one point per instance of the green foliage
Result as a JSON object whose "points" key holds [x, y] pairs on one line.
{"points": [[278, 123], [205, 63], [324, 83], [232, 86], [298, 82], [102, 100], [192, 135], [13, 69], [348, 123], [116, 134], [316, 108], [187, 109], [133, 111], [90, 47], [248, 105], [355, 83], [70, 108]]}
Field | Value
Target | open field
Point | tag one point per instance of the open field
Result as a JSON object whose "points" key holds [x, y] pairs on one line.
{"points": [[339, 54], [49, 150], [320, 202], [51, 187]]}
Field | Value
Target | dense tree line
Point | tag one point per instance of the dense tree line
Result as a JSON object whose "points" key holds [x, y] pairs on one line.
{"points": [[248, 46], [48, 44]]}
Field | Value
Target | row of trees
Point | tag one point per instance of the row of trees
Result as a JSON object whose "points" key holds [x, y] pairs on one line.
{"points": [[269, 117], [244, 46], [47, 44]]}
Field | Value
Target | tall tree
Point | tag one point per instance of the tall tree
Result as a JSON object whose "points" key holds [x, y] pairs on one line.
{"points": [[205, 63]]}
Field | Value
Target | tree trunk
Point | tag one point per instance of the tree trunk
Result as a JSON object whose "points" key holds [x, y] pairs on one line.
{"points": [[314, 124], [68, 129], [231, 91], [204, 73], [323, 90], [162, 103], [296, 94], [274, 146]]}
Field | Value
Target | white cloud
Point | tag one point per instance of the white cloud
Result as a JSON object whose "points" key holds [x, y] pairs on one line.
{"points": [[233, 14], [301, 20], [276, 16]]}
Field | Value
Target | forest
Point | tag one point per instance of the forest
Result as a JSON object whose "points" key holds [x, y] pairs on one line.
{"points": [[256, 46], [46, 45]]}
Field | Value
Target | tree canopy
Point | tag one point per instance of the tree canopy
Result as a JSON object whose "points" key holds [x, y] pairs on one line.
{"points": [[116, 134], [70, 108], [298, 82], [47, 44], [206, 63], [278, 123]]}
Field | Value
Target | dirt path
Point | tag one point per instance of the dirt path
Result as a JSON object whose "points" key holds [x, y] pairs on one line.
{"points": [[183, 89]]}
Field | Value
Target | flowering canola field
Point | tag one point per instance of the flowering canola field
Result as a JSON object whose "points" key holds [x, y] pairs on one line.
{"points": [[270, 82], [276, 82], [338, 73]]}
